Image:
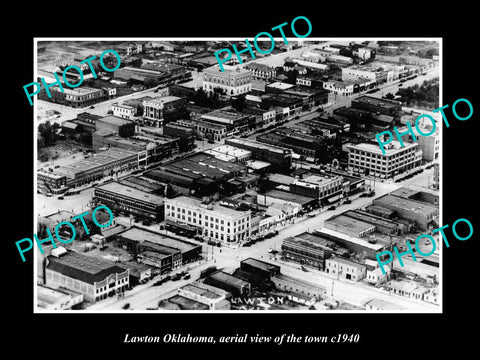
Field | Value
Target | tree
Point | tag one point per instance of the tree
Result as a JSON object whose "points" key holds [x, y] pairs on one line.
{"points": [[47, 131], [389, 96], [150, 82], [239, 103]]}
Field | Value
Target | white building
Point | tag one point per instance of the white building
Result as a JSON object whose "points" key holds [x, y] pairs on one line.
{"points": [[345, 269], [217, 222], [124, 111], [233, 81], [368, 158], [339, 87], [213, 297]]}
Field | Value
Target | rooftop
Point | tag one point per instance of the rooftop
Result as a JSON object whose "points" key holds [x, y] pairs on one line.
{"points": [[345, 261], [144, 235], [258, 145], [218, 209], [406, 204], [201, 291], [375, 148], [128, 191], [288, 196], [303, 283], [229, 279], [347, 222], [352, 239], [115, 120], [178, 302], [383, 304], [163, 99], [83, 267], [384, 103], [261, 264]]}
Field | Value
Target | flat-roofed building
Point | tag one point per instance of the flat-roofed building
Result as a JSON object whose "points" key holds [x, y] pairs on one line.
{"points": [[422, 213], [154, 109], [75, 97], [177, 251], [214, 297], [345, 269], [382, 305], [121, 126], [232, 81], [261, 71], [93, 277], [58, 298], [368, 159], [349, 226], [377, 105], [179, 302], [186, 135], [298, 286], [216, 222], [124, 111], [230, 283], [309, 251], [382, 225], [418, 193], [355, 244], [325, 189], [105, 163], [139, 273], [260, 268], [48, 182], [284, 197], [129, 200], [230, 153], [280, 158]]}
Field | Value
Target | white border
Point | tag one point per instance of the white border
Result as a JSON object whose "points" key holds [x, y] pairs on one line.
{"points": [[285, 312]]}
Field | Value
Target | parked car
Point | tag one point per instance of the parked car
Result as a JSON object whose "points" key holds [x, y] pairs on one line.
{"points": [[347, 202], [60, 198], [331, 208], [186, 277]]}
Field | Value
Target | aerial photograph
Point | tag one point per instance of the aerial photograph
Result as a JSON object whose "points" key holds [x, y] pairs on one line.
{"points": [[217, 175]]}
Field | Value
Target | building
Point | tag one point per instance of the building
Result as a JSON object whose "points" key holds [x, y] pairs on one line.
{"points": [[364, 53], [235, 122], [259, 268], [261, 71], [211, 296], [81, 96], [230, 153], [307, 250], [147, 147], [178, 302], [341, 88], [170, 253], [215, 222], [280, 158], [423, 214], [382, 305], [422, 194], [409, 289], [105, 163], [57, 299], [95, 278], [349, 226], [125, 199], [276, 196], [376, 105], [124, 111], [235, 286], [139, 273], [326, 189], [154, 109], [368, 159], [185, 133], [345, 269], [139, 76], [121, 126], [233, 81], [48, 182], [296, 286]]}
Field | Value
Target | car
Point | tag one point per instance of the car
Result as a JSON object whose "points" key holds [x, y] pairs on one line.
{"points": [[176, 277], [427, 242], [310, 215], [210, 141], [60, 198], [347, 202], [92, 107], [331, 208], [126, 306], [186, 277]]}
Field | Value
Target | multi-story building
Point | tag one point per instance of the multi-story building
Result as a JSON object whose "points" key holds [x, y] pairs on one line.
{"points": [[230, 153], [94, 277], [128, 200], [345, 269], [235, 121], [339, 87], [48, 182], [154, 110], [261, 71], [298, 286], [307, 249], [349, 226], [186, 135], [227, 282], [75, 97], [421, 212], [368, 159], [376, 105], [124, 111], [215, 222], [280, 158], [232, 81], [121, 126], [325, 189], [105, 163], [364, 53]]}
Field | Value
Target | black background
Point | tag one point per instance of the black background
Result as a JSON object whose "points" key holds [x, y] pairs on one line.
{"points": [[380, 334]]}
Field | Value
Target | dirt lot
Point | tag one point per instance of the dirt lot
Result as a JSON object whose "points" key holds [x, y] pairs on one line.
{"points": [[64, 151]]}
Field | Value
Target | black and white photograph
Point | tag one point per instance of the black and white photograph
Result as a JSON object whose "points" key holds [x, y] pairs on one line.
{"points": [[213, 179], [228, 179]]}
